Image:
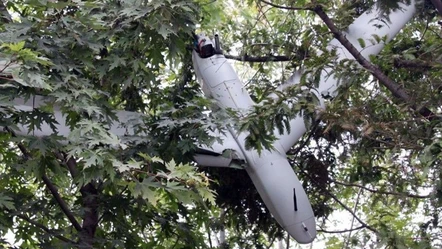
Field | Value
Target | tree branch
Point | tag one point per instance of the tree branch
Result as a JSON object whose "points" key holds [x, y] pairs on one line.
{"points": [[352, 213], [269, 58], [4, 14], [285, 7], [90, 218], [64, 207], [355, 207], [438, 5], [54, 191], [381, 192], [421, 65], [44, 228], [341, 231], [365, 225], [89, 194], [90, 204], [70, 163], [394, 88]]}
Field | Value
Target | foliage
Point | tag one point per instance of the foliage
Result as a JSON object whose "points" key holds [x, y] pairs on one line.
{"points": [[368, 154]]}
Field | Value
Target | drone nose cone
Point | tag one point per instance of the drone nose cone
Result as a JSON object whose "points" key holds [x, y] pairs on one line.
{"points": [[304, 232]]}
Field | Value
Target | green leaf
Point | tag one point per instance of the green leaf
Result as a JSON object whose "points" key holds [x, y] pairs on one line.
{"points": [[207, 195], [361, 42], [165, 31], [14, 47], [6, 202], [149, 195]]}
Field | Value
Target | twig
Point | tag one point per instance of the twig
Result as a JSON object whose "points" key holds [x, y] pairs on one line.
{"points": [[176, 242], [271, 242], [382, 192], [6, 65], [352, 213], [343, 205], [427, 25], [209, 236], [269, 58], [222, 231], [285, 7], [44, 228], [307, 139], [347, 241], [7, 78], [342, 231]]}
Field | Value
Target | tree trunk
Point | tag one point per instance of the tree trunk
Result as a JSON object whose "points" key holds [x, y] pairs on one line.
{"points": [[90, 216]]}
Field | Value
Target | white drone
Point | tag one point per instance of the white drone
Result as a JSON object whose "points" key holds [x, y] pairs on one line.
{"points": [[270, 171]]}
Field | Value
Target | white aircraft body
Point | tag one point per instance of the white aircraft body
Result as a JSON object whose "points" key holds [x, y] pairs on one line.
{"points": [[270, 171]]}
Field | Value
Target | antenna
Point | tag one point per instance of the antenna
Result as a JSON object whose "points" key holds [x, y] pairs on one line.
{"points": [[217, 45]]}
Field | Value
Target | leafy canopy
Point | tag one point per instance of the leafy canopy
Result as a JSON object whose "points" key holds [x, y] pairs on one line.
{"points": [[368, 154]]}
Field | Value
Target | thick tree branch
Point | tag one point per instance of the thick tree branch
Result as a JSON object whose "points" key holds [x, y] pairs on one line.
{"points": [[70, 163], [90, 204], [382, 192], [90, 218], [54, 191], [44, 228], [396, 89], [269, 58], [64, 207]]}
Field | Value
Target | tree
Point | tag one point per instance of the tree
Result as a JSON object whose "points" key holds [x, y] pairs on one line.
{"points": [[373, 152]]}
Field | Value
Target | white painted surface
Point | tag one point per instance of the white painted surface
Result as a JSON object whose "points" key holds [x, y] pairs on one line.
{"points": [[364, 27], [270, 171]]}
